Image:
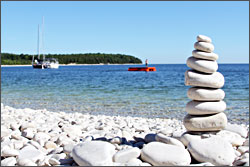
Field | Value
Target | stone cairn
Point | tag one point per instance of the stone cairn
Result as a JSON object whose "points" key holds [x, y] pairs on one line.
{"points": [[205, 111]]}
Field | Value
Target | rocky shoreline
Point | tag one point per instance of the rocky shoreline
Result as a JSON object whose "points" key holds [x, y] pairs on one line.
{"points": [[43, 138]]}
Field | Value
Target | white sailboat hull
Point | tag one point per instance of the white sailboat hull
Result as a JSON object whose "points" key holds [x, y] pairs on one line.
{"points": [[53, 65]]}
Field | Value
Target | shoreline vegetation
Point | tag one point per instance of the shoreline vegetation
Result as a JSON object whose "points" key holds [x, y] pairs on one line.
{"points": [[43, 138], [72, 59]]}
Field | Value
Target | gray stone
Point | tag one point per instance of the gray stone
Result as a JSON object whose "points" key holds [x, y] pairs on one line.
{"points": [[214, 150], [206, 66], [205, 94], [205, 123], [93, 153], [126, 155], [203, 38], [150, 138], [161, 154], [194, 78], [168, 140], [204, 46], [204, 108]]}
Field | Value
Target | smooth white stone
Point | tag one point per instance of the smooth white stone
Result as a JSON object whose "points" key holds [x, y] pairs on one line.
{"points": [[233, 138], [194, 78], [205, 55], [202, 164], [205, 123], [168, 140], [42, 136], [28, 133], [160, 154], [243, 149], [18, 145], [203, 38], [126, 155], [59, 156], [26, 162], [134, 162], [93, 153], [50, 144], [116, 140], [9, 152], [27, 125], [241, 162], [204, 46], [68, 148], [54, 161], [11, 161], [214, 150], [73, 130], [187, 137], [205, 94], [237, 129], [206, 66], [204, 108], [31, 153], [14, 126]]}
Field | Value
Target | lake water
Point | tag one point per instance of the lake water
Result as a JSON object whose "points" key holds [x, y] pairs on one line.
{"points": [[112, 90]]}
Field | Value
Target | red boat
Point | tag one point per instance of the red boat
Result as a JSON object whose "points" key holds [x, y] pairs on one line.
{"points": [[142, 69]]}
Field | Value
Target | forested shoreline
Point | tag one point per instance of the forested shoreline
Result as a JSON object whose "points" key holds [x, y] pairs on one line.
{"points": [[86, 58]]}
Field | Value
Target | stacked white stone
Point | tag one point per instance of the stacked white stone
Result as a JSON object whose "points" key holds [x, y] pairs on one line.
{"points": [[205, 111]]}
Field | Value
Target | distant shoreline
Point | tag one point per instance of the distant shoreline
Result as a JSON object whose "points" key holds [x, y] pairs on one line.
{"points": [[72, 64]]}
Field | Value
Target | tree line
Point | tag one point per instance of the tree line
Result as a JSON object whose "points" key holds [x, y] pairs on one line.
{"points": [[86, 58]]}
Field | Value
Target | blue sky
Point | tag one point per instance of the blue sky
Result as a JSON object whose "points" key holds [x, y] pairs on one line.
{"points": [[162, 32]]}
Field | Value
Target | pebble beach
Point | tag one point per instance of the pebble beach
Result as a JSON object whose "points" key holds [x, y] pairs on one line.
{"points": [[43, 138]]}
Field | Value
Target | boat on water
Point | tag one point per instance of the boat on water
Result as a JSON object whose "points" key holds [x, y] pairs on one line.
{"points": [[45, 62], [147, 69]]}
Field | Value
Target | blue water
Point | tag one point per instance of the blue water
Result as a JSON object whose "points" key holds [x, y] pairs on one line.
{"points": [[112, 90]]}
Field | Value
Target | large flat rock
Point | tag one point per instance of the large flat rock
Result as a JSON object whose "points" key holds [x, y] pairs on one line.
{"points": [[214, 150], [204, 108], [161, 154], [93, 153], [195, 78], [206, 66], [205, 94], [205, 123]]}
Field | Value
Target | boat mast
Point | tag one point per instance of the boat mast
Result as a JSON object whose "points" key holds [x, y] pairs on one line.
{"points": [[38, 47], [43, 39]]}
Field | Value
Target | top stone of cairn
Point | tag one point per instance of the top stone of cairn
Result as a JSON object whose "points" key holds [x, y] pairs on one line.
{"points": [[203, 38]]}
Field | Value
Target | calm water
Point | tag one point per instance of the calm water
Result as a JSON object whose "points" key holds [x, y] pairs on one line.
{"points": [[112, 90]]}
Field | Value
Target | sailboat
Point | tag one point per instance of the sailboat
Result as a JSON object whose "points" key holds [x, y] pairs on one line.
{"points": [[43, 63]]}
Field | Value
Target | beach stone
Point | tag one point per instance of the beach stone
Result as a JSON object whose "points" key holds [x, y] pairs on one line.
{"points": [[205, 94], [116, 140], [187, 137], [194, 78], [243, 149], [205, 123], [68, 148], [202, 164], [241, 162], [204, 46], [168, 140], [246, 142], [10, 161], [27, 125], [237, 129], [204, 108], [150, 137], [28, 133], [161, 154], [233, 138], [42, 136], [50, 144], [26, 162], [214, 150], [206, 66], [126, 155], [9, 152], [134, 162], [203, 38], [31, 153], [93, 153], [14, 126], [205, 55], [54, 161]]}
